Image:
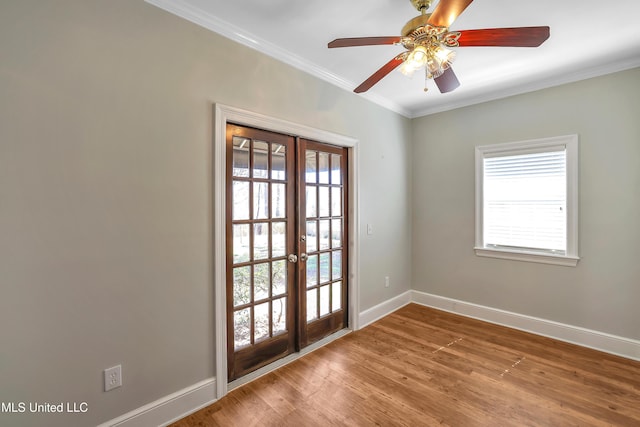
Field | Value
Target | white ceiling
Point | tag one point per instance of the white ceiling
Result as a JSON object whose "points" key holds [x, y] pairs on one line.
{"points": [[588, 38]]}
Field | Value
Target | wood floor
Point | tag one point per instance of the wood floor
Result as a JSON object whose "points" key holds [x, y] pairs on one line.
{"points": [[423, 367]]}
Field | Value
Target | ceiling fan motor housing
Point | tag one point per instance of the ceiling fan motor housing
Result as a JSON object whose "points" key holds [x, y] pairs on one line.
{"points": [[414, 24], [418, 31]]}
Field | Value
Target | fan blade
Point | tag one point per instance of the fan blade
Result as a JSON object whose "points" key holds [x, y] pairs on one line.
{"points": [[378, 75], [364, 41], [447, 11], [447, 81], [517, 37]]}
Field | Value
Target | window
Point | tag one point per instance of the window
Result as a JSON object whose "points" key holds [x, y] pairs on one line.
{"points": [[527, 200]]}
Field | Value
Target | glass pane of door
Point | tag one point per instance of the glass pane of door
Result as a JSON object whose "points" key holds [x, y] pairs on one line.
{"points": [[261, 226], [324, 187]]}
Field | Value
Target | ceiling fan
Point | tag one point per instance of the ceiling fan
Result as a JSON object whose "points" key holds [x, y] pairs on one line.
{"points": [[427, 39]]}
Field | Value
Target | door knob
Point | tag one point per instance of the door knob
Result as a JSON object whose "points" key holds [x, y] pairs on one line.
{"points": [[293, 258], [303, 257]]}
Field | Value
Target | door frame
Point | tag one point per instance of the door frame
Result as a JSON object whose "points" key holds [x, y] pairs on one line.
{"points": [[222, 115]]}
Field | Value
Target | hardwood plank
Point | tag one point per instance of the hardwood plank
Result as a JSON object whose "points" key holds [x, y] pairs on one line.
{"points": [[423, 367]]}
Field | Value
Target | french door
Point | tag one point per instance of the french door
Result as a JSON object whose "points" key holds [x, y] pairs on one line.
{"points": [[286, 256]]}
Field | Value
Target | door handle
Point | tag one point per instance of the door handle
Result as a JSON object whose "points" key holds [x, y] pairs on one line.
{"points": [[294, 258]]}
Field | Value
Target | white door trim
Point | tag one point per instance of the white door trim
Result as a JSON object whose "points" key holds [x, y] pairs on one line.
{"points": [[222, 115]]}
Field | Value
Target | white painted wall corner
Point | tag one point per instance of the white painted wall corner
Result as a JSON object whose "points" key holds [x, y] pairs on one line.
{"points": [[379, 311]]}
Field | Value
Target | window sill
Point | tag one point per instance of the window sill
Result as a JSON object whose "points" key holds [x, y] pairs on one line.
{"points": [[564, 260]]}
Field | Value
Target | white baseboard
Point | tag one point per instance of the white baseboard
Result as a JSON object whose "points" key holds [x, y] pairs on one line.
{"points": [[608, 343], [379, 311], [169, 409]]}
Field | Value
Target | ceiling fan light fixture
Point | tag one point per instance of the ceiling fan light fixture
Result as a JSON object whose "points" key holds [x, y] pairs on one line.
{"points": [[435, 59], [406, 69], [435, 69], [444, 56], [419, 56], [442, 53], [415, 60]]}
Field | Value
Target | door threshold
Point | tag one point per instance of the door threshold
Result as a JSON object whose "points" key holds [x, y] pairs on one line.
{"points": [[286, 360]]}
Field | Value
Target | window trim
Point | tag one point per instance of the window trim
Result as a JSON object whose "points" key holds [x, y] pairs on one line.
{"points": [[571, 257]]}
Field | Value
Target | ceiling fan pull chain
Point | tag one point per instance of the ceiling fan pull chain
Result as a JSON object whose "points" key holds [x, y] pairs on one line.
{"points": [[426, 77]]}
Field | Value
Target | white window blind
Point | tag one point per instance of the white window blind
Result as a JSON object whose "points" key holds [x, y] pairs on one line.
{"points": [[525, 200]]}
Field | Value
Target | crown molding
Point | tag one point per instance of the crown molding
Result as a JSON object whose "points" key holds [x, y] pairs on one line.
{"points": [[204, 19], [577, 73]]}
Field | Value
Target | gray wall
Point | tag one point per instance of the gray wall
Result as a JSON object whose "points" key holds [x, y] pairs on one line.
{"points": [[105, 196], [603, 291]]}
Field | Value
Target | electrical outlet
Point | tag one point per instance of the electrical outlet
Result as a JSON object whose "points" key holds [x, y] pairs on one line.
{"points": [[386, 281], [112, 378]]}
